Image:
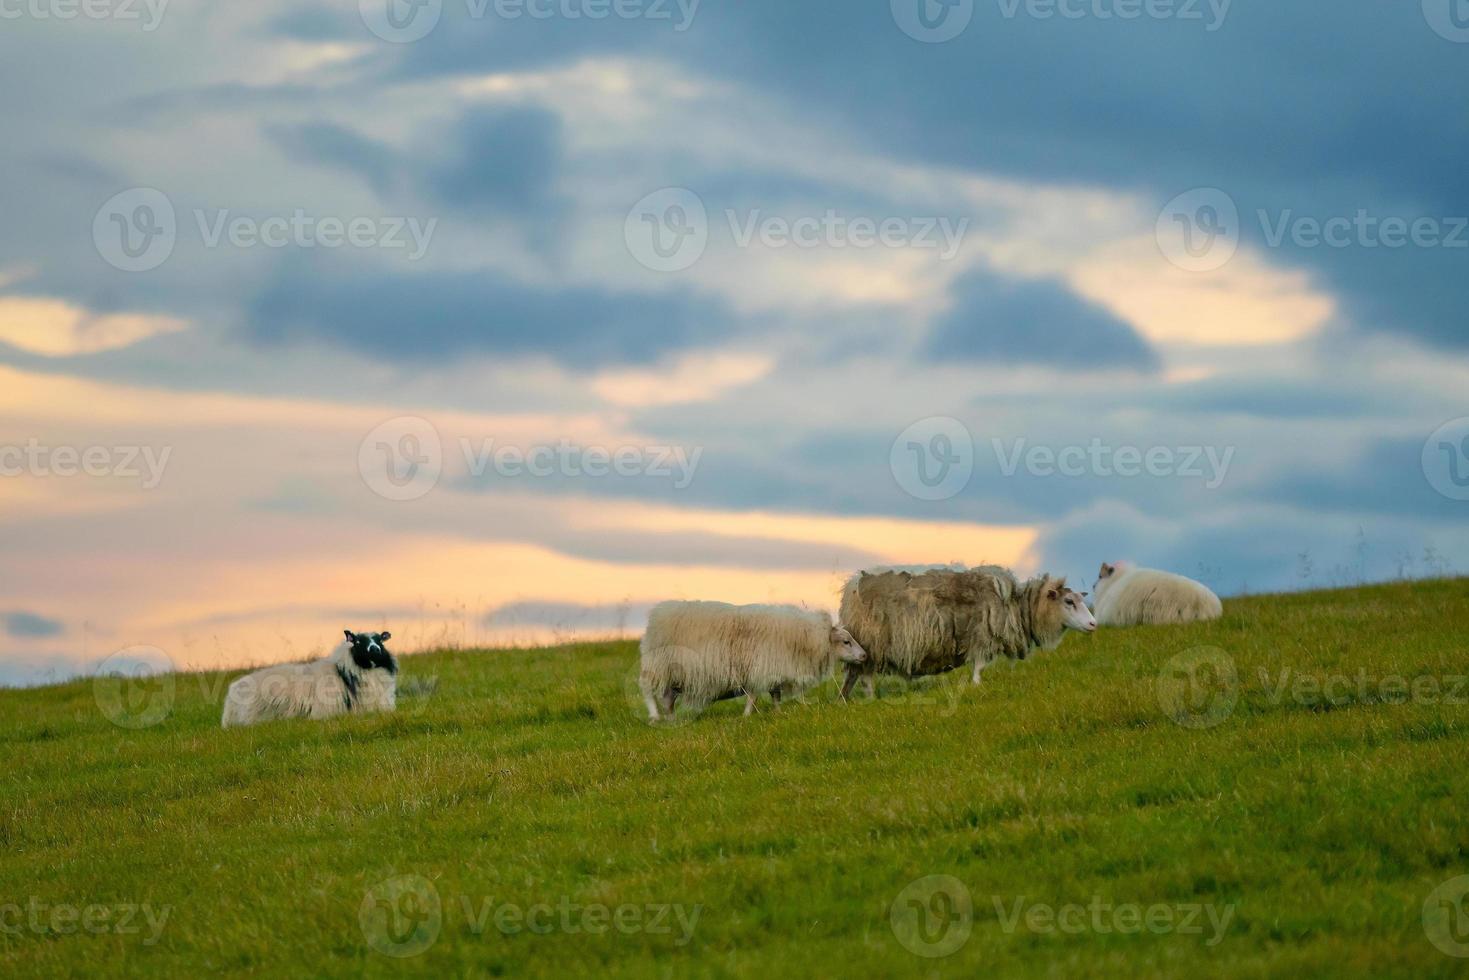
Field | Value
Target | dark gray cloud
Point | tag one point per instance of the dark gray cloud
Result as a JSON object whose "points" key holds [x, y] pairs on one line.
{"points": [[432, 316], [28, 625], [1385, 478], [490, 161], [1005, 321]]}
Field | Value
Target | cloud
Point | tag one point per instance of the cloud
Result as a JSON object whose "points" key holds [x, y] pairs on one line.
{"points": [[30, 625], [491, 161], [435, 316], [1019, 322], [54, 328]]}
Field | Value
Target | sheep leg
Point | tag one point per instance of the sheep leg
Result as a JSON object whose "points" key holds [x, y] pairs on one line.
{"points": [[775, 696], [670, 695], [852, 672], [979, 665], [749, 703], [870, 683], [652, 704]]}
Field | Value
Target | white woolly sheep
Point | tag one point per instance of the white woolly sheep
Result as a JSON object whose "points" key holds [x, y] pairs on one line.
{"points": [[915, 625], [1131, 596], [712, 651], [359, 675]]}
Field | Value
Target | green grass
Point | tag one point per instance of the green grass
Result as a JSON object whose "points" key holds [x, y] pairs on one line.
{"points": [[1320, 824]]}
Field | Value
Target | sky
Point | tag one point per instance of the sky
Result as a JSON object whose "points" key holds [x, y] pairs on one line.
{"points": [[497, 321]]}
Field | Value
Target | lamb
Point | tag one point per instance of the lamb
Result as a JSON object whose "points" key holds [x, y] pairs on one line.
{"points": [[1131, 596], [712, 651], [916, 625], [359, 675]]}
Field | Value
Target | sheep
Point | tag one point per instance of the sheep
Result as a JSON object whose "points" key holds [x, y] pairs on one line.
{"points": [[916, 625], [359, 675], [1131, 596], [713, 651]]}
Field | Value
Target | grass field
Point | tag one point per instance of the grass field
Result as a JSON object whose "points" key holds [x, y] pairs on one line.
{"points": [[1091, 811]]}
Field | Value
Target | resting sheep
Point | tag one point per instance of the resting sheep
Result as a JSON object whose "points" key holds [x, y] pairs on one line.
{"points": [[1131, 596], [915, 625], [360, 675], [711, 651]]}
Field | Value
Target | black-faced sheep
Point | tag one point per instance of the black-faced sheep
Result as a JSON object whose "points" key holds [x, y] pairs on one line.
{"points": [[359, 675], [1131, 596], [711, 651], [938, 620]]}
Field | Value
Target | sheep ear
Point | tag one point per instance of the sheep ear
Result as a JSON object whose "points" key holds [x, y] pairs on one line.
{"points": [[1053, 594], [1083, 594], [351, 637], [385, 635], [1106, 569]]}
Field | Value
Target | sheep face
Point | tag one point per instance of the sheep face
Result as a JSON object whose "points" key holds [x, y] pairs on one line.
{"points": [[1108, 576], [1074, 613], [370, 651], [848, 650]]}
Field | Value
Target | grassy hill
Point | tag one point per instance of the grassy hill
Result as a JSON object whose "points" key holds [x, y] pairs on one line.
{"points": [[1119, 807]]}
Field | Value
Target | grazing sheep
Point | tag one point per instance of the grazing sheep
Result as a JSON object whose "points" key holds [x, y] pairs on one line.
{"points": [[1131, 596], [938, 620], [360, 675], [712, 651]]}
